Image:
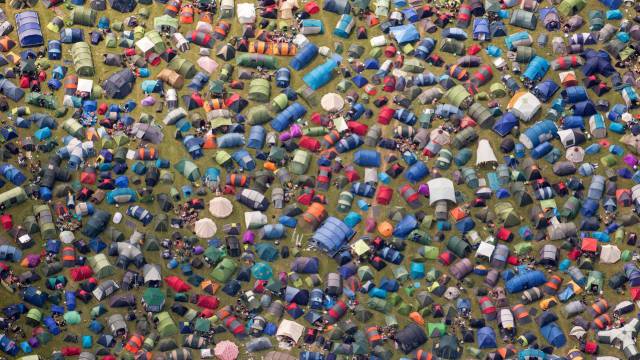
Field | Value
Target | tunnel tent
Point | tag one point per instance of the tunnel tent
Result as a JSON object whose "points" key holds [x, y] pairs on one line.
{"points": [[183, 67], [165, 24], [441, 189], [29, 30], [101, 266], [81, 15], [188, 169], [82, 60]]}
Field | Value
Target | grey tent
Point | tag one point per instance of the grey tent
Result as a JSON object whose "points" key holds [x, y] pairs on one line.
{"points": [[573, 308], [259, 344], [117, 325], [152, 275], [447, 348], [119, 85], [524, 19], [410, 338], [10, 90], [105, 289]]}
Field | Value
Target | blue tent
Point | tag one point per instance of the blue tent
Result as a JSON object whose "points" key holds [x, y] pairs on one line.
{"points": [[367, 158], [12, 174], [122, 195], [306, 265], [371, 64], [261, 271], [584, 108], [10, 253], [363, 189], [71, 35], [29, 31], [123, 6], [53, 246], [257, 135], [410, 14], [352, 219], [405, 116], [405, 33], [391, 255], [538, 133], [287, 116], [54, 50], [481, 29], [405, 226], [537, 69], [532, 354], [8, 346], [554, 335], [360, 80], [417, 172], [424, 48], [597, 62], [612, 4], [273, 231], [337, 6], [506, 123], [525, 281], [199, 81], [349, 143], [544, 90], [34, 296], [465, 225], [425, 79], [244, 159], [574, 94], [230, 140], [152, 86], [455, 33], [283, 77], [487, 338], [193, 145], [304, 57], [332, 235], [344, 26]]}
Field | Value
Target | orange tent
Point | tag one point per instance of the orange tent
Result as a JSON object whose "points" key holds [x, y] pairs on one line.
{"points": [[589, 244], [385, 229]]}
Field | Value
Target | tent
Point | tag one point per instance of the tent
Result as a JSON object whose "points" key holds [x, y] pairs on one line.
{"points": [[29, 31], [220, 207], [123, 6], [205, 228], [332, 235], [120, 84], [410, 338], [553, 334], [101, 266]]}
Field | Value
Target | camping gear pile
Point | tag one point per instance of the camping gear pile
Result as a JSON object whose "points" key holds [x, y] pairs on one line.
{"points": [[319, 180]]}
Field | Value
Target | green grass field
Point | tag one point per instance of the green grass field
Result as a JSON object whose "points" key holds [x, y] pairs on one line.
{"points": [[172, 150]]}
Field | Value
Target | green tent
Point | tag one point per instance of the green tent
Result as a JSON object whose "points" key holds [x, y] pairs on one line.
{"points": [[188, 169], [72, 317], [571, 7], [595, 281], [259, 90], [279, 102], [202, 325], [258, 115], [183, 67], [41, 100], [34, 316], [83, 16], [300, 162], [82, 60], [255, 60], [165, 23], [458, 246], [522, 248], [166, 325], [220, 122], [101, 266], [158, 45], [12, 197], [213, 254], [224, 270], [429, 252], [441, 328], [153, 299], [507, 214], [222, 157], [400, 273], [458, 96], [45, 221]]}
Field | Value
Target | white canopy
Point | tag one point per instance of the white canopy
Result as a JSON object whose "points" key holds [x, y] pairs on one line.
{"points": [[220, 207], [441, 189], [485, 250], [440, 136], [205, 228], [485, 154], [289, 329], [246, 13], [85, 85], [332, 102], [609, 254], [575, 154]]}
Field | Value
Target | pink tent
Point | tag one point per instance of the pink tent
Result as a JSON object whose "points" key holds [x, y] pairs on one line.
{"points": [[226, 350]]}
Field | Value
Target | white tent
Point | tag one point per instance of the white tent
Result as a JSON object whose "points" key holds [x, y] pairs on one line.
{"points": [[145, 45], [578, 332], [207, 64], [485, 250], [67, 237], [441, 189], [524, 105], [246, 13], [205, 228], [485, 154], [204, 26], [609, 254], [440, 136], [85, 86], [332, 102], [575, 154], [255, 219], [289, 330], [220, 207]]}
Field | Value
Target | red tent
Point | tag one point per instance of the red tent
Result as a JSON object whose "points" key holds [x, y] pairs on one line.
{"points": [[385, 115], [81, 273], [589, 244], [70, 351], [635, 293], [208, 302], [309, 143], [384, 195], [311, 7], [7, 221], [177, 284], [357, 128]]}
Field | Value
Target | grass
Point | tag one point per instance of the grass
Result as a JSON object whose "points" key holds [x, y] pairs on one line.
{"points": [[171, 149]]}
